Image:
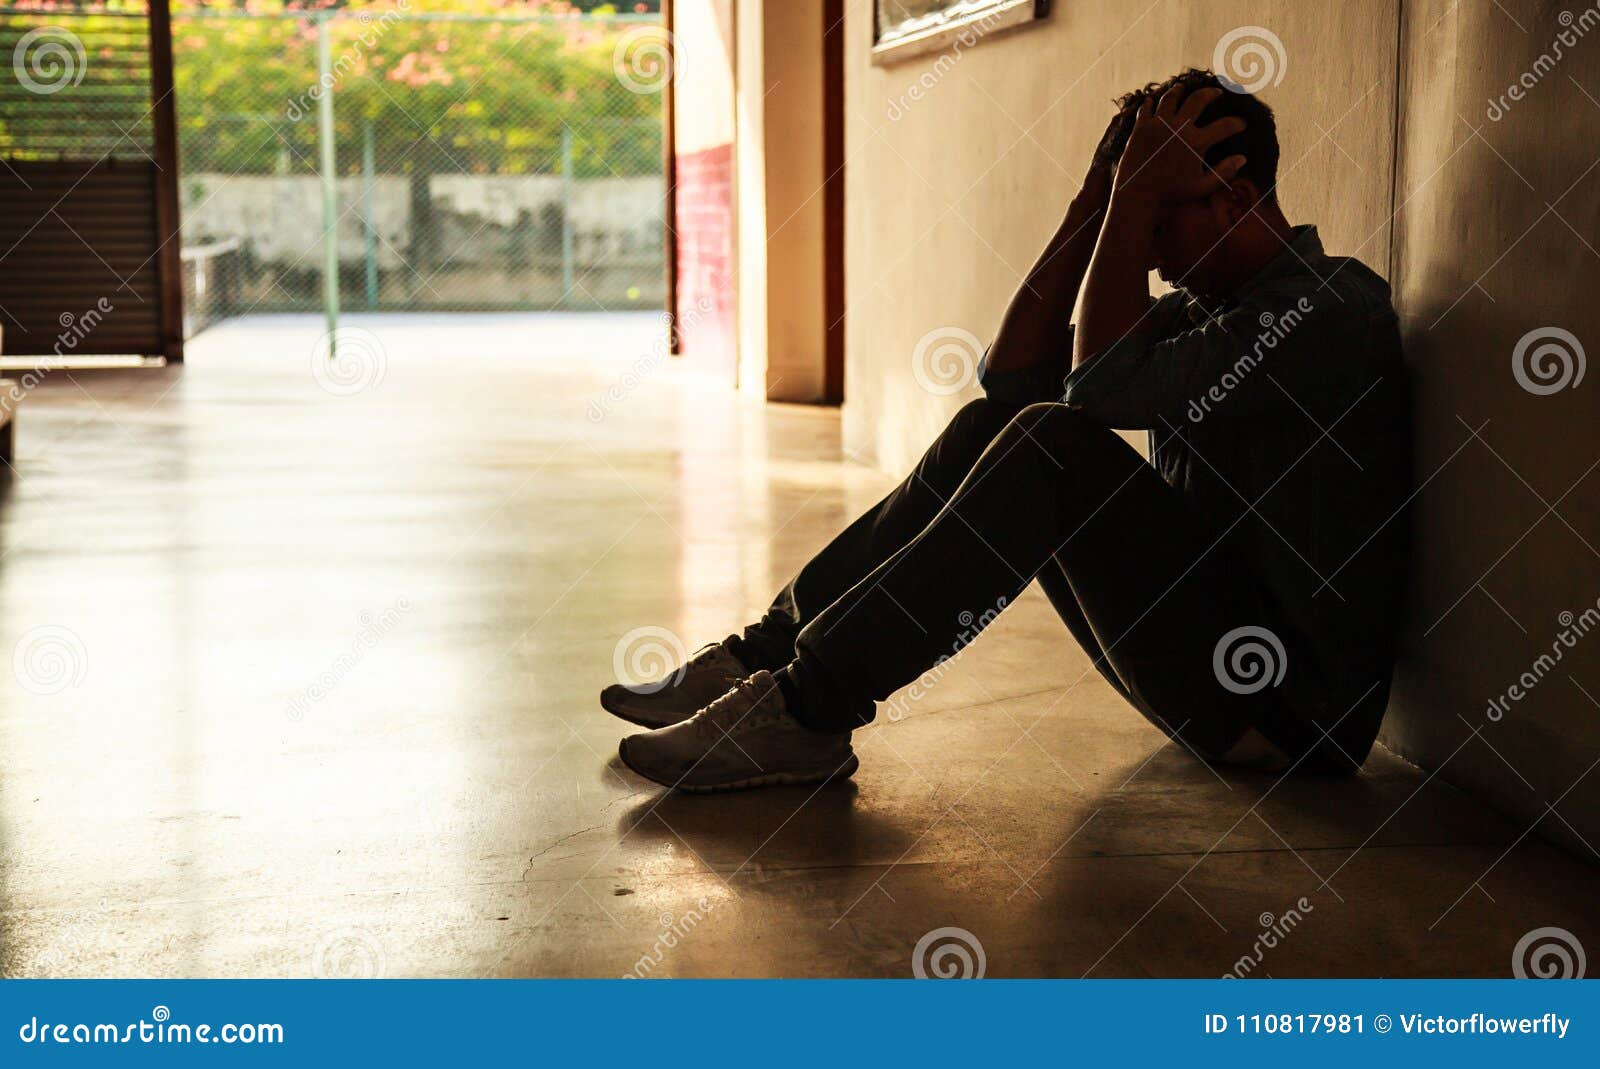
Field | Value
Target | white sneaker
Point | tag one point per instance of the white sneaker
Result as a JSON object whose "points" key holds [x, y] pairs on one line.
{"points": [[673, 699], [743, 739]]}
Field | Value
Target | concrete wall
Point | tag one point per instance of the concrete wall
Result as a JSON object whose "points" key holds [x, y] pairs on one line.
{"points": [[796, 313], [960, 163], [782, 295], [1496, 237], [279, 217]]}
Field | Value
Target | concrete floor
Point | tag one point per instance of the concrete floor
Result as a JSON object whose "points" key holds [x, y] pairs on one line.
{"points": [[304, 684]]}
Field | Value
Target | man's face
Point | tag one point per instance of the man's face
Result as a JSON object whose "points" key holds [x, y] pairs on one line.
{"points": [[1191, 245]]}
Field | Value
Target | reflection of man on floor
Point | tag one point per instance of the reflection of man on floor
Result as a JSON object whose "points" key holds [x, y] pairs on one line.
{"points": [[1240, 589]]}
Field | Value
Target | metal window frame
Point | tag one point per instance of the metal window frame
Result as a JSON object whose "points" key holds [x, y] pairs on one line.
{"points": [[164, 127], [966, 30]]}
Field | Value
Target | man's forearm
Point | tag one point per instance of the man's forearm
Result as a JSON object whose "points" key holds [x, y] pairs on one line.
{"points": [[1116, 294], [1040, 313]]}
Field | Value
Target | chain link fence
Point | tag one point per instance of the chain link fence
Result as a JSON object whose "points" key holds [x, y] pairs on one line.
{"points": [[487, 157]]}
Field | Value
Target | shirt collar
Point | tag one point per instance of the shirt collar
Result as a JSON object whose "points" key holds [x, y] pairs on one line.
{"points": [[1301, 249]]}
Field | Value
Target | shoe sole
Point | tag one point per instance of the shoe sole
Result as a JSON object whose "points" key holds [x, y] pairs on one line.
{"points": [[770, 779]]}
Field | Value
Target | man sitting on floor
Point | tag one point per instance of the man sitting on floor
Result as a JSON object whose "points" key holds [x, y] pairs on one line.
{"points": [[1241, 589]]}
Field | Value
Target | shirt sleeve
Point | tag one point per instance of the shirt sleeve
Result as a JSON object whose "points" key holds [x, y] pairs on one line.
{"points": [[1042, 381], [1252, 360]]}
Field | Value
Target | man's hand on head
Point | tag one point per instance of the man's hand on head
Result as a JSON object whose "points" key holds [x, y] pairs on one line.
{"points": [[1162, 165], [1039, 316], [1095, 191], [1164, 161]]}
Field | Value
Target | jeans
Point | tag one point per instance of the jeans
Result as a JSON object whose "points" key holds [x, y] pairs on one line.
{"points": [[1004, 496]]}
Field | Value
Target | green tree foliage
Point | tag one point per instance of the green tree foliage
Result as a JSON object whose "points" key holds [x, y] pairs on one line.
{"points": [[468, 86]]}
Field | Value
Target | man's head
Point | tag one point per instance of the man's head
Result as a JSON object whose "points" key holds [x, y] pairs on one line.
{"points": [[1210, 245]]}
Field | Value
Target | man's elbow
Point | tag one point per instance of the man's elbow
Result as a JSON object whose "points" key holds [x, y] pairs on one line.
{"points": [[1018, 387], [1087, 401], [1081, 390], [1109, 408]]}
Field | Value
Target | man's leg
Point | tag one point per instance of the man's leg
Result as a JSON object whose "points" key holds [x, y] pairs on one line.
{"points": [[857, 550], [876, 534], [1054, 490]]}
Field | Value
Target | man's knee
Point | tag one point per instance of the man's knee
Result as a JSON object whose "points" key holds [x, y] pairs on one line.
{"points": [[981, 419], [1053, 423], [1057, 417], [1048, 433], [1068, 437]]}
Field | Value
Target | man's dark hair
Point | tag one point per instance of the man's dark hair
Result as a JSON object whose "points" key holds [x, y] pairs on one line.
{"points": [[1257, 142]]}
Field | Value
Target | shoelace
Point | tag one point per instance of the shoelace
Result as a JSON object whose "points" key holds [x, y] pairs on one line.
{"points": [[745, 706], [702, 655]]}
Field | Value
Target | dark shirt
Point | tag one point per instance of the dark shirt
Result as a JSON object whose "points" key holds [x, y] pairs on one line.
{"points": [[1282, 416]]}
